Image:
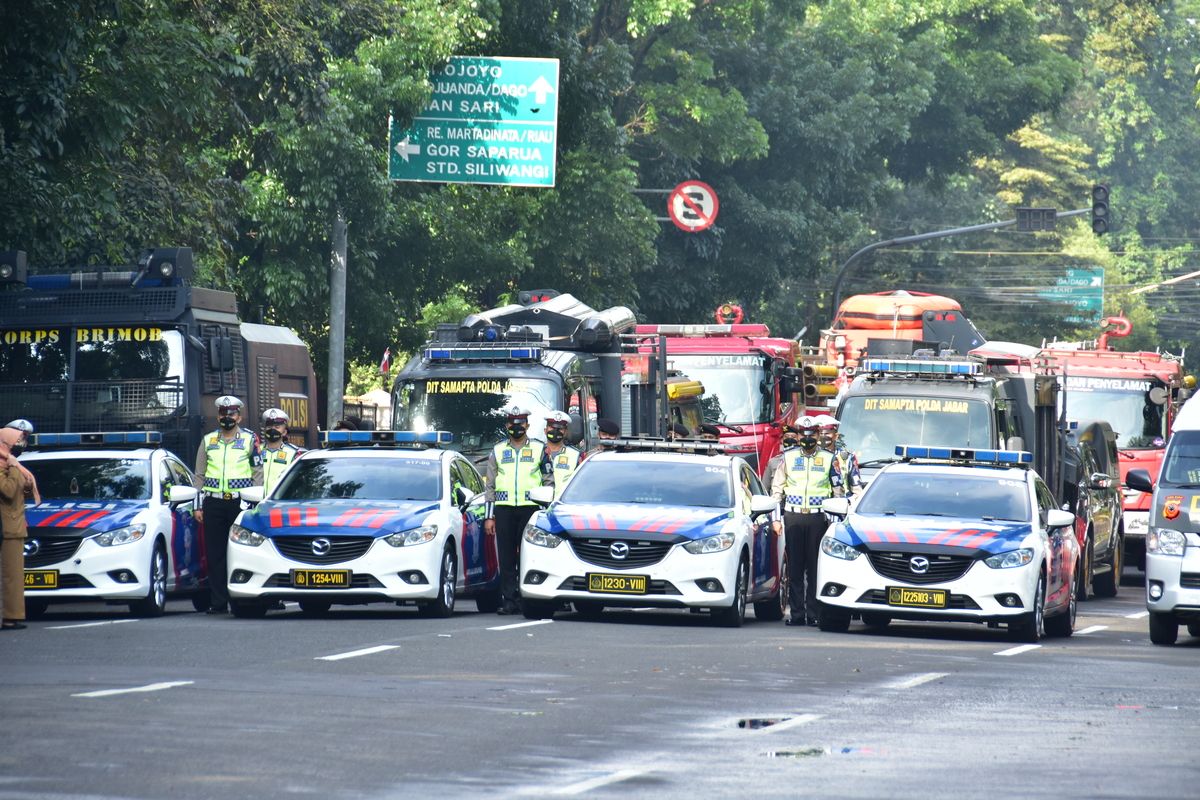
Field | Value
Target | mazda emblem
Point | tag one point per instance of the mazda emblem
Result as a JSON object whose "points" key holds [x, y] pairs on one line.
{"points": [[321, 546], [618, 550], [32, 546], [919, 565]]}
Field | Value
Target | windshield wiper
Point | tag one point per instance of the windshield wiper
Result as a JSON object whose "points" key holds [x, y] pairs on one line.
{"points": [[874, 461], [734, 428]]}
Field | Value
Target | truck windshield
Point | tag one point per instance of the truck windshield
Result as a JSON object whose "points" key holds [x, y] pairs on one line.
{"points": [[470, 408], [874, 425], [948, 494], [1136, 419], [92, 478], [737, 388], [361, 479], [1181, 467], [650, 482]]}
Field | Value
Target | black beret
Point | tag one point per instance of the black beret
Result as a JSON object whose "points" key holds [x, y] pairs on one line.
{"points": [[710, 429], [609, 426]]}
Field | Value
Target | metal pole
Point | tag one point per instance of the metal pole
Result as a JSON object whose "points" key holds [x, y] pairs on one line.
{"points": [[337, 321]]}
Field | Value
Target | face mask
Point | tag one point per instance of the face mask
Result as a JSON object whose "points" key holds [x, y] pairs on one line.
{"points": [[808, 441], [272, 435], [16, 449], [790, 442], [516, 431], [554, 435], [228, 423]]}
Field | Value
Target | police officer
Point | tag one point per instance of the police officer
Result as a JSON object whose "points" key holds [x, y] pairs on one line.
{"points": [[790, 438], [710, 432], [607, 431], [834, 443], [803, 479], [514, 468], [277, 454], [228, 462], [559, 459]]}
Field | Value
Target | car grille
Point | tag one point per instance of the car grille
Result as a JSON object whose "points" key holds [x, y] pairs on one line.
{"points": [[51, 549], [641, 553], [341, 548], [941, 568], [959, 602], [1190, 580], [283, 580], [579, 583]]}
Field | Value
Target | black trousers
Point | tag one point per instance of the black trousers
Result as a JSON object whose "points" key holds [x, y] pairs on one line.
{"points": [[802, 535], [510, 524], [219, 515]]}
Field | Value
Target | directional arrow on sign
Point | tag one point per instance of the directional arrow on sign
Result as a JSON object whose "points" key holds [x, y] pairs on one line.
{"points": [[405, 149], [1097, 280], [540, 88]]}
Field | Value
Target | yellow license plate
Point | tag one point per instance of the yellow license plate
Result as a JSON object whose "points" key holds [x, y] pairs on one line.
{"points": [[320, 579], [41, 579], [616, 584], [917, 598]]}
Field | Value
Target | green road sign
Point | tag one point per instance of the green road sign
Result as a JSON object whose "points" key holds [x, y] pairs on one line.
{"points": [[1083, 290], [489, 121]]}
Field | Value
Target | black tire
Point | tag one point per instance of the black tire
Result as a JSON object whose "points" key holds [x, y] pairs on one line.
{"points": [[154, 604], [735, 614], [202, 600], [443, 606], [487, 602], [1193, 628], [1108, 584], [875, 620], [248, 609], [1063, 624], [1085, 576], [832, 619], [589, 609], [539, 609], [1164, 628], [315, 608], [773, 608], [1031, 627], [35, 608]]}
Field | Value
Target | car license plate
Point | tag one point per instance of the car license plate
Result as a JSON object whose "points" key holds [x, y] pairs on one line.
{"points": [[616, 584], [41, 579], [917, 598], [320, 579]]}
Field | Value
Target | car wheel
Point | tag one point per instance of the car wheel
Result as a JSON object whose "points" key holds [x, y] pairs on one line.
{"points": [[487, 602], [443, 606], [1164, 628], [1083, 576], [155, 601], [876, 620], [589, 609], [539, 609], [248, 609], [1063, 624], [1109, 583], [1193, 627], [315, 608], [35, 609], [1032, 626], [773, 608], [202, 600], [832, 619], [735, 615]]}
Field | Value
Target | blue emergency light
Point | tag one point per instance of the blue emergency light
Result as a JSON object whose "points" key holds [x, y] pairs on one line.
{"points": [[410, 438], [957, 454], [483, 353], [43, 441], [921, 366]]}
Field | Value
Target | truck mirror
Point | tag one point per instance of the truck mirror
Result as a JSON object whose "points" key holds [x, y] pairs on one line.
{"points": [[220, 353], [575, 429], [1158, 395]]}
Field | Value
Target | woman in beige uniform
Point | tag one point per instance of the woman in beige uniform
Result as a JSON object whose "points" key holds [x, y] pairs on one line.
{"points": [[15, 482]]}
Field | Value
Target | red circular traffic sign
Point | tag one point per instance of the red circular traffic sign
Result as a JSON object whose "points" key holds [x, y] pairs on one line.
{"points": [[693, 206]]}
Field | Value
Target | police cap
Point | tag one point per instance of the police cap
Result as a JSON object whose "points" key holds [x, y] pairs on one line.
{"points": [[558, 418], [609, 427], [274, 416], [228, 402], [22, 425]]}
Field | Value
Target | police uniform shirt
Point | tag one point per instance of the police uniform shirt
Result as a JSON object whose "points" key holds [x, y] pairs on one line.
{"points": [[528, 455], [214, 437]]}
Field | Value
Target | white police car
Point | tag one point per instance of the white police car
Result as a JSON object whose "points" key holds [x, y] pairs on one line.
{"points": [[666, 529], [115, 523], [950, 534], [374, 517]]}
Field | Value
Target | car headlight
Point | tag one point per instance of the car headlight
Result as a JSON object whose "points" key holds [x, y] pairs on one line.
{"points": [[535, 535], [710, 544], [1165, 542], [425, 533], [832, 547], [240, 535], [130, 533], [1013, 558]]}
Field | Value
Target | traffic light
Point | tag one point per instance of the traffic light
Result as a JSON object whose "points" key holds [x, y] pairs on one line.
{"points": [[1100, 217]]}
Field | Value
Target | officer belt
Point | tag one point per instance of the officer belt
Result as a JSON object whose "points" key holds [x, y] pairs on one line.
{"points": [[802, 509], [223, 495]]}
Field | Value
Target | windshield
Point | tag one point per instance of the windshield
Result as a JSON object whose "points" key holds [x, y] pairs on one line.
{"points": [[362, 479], [873, 426], [1181, 466], [92, 478], [907, 493], [737, 388], [650, 482], [1137, 421], [470, 407]]}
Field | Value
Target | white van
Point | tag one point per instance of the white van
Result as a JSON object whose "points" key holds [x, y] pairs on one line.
{"points": [[1173, 541]]}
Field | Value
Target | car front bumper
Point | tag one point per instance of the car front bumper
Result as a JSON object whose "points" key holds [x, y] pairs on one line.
{"points": [[92, 573], [1179, 579]]}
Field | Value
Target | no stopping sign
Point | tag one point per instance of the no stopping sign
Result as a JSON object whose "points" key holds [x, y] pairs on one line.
{"points": [[693, 206]]}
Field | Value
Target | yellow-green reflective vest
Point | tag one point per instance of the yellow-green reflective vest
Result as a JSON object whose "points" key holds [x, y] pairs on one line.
{"points": [[517, 472], [807, 483], [275, 463], [230, 463], [563, 463]]}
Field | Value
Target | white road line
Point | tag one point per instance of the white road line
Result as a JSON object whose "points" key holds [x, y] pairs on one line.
{"points": [[1016, 651], [366, 651], [521, 625], [88, 624], [596, 783], [787, 724], [1138, 615], [915, 680], [153, 687], [1091, 629]]}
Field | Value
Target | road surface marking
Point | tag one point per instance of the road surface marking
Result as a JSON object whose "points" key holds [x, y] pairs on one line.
{"points": [[88, 624], [915, 680], [794, 722], [153, 687], [1016, 651], [366, 651], [520, 625], [1091, 629], [1138, 615], [596, 783]]}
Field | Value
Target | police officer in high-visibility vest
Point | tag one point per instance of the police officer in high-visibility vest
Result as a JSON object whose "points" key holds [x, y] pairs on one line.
{"points": [[559, 459], [803, 480], [514, 468], [831, 440], [228, 462], [277, 453]]}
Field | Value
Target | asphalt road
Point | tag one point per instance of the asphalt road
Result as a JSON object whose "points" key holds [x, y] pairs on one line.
{"points": [[375, 703]]}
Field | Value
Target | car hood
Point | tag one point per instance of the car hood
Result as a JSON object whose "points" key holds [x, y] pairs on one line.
{"points": [[635, 518], [873, 532], [94, 517], [336, 517]]}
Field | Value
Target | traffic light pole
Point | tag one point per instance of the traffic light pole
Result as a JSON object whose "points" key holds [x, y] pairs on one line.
{"points": [[924, 237]]}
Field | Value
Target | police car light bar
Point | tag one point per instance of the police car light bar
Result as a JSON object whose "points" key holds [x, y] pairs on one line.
{"points": [[489, 353], [748, 329], [1017, 457], [397, 438], [920, 366], [43, 441], [653, 445]]}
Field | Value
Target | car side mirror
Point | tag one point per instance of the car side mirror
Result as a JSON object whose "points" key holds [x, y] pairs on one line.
{"points": [[464, 497], [1056, 518], [1100, 480], [542, 495], [178, 494], [836, 506], [253, 495], [1139, 480], [762, 504]]}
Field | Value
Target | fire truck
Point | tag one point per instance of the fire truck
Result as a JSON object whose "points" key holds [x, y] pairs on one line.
{"points": [[1138, 394], [138, 348]]}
